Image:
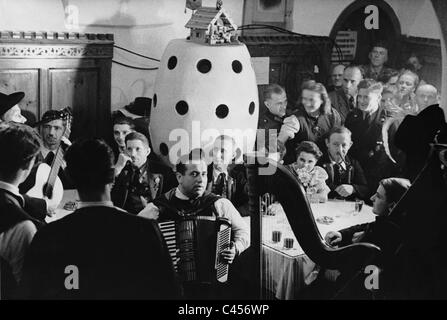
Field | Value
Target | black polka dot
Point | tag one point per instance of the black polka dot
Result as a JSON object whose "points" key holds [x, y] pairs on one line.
{"points": [[251, 108], [204, 66], [181, 107], [154, 100], [172, 62], [222, 111], [164, 150], [237, 66]]}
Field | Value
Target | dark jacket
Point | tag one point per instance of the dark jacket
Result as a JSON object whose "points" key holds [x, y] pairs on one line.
{"points": [[116, 255], [312, 129], [271, 125], [65, 179], [340, 102], [384, 232], [353, 175], [237, 188], [368, 146], [13, 210], [126, 191]]}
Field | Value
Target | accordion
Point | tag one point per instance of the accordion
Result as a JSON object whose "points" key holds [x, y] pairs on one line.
{"points": [[195, 244]]}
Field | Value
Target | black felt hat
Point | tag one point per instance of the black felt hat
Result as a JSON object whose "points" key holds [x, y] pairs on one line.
{"points": [[416, 134], [141, 107], [9, 101]]}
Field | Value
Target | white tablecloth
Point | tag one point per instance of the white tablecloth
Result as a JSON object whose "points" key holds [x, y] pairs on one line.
{"points": [[286, 271], [69, 196]]}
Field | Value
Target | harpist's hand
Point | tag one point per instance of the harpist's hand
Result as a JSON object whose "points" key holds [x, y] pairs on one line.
{"points": [[358, 236], [150, 212], [229, 254], [333, 238]]}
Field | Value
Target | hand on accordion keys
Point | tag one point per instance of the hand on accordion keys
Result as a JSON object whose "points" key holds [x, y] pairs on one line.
{"points": [[229, 254]]}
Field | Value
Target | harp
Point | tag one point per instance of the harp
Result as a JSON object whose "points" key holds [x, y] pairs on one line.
{"points": [[423, 209], [267, 177]]}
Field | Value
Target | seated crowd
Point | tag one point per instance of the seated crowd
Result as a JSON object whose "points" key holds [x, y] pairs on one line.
{"points": [[339, 145]]}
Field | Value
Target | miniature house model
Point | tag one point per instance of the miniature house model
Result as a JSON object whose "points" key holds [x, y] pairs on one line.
{"points": [[205, 87], [212, 26]]}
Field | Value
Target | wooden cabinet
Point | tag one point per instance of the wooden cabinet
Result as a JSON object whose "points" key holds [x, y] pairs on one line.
{"points": [[56, 70]]}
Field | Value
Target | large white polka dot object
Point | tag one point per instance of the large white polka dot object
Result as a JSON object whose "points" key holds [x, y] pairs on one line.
{"points": [[202, 92]]}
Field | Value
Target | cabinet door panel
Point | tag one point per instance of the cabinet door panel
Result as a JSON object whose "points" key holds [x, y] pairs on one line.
{"points": [[77, 88]]}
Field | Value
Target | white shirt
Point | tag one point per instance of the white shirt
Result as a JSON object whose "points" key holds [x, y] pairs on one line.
{"points": [[225, 209], [45, 151], [87, 204], [216, 174], [342, 164]]}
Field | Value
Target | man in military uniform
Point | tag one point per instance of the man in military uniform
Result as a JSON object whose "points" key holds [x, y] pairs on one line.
{"points": [[365, 122]]}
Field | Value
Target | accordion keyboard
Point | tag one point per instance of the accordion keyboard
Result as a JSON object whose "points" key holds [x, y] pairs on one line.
{"points": [[223, 239], [168, 231], [195, 246]]}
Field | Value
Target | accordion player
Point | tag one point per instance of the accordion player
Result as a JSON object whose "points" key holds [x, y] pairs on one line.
{"points": [[185, 203], [197, 234]]}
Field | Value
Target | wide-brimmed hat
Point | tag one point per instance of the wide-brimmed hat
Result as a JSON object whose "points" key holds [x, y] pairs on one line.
{"points": [[7, 101], [417, 132], [141, 107]]}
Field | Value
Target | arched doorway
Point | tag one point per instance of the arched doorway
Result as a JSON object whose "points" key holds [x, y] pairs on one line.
{"points": [[389, 31]]}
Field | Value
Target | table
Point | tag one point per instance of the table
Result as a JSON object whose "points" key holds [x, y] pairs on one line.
{"points": [[69, 195], [287, 271]]}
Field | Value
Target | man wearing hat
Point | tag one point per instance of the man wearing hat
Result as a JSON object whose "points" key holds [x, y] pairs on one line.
{"points": [[414, 136], [52, 129], [9, 108]]}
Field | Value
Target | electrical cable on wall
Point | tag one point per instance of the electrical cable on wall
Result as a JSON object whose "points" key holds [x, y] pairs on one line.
{"points": [[244, 27], [135, 53], [133, 67]]}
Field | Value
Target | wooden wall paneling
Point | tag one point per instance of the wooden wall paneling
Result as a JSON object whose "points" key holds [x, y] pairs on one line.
{"points": [[70, 69], [77, 88], [104, 101]]}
